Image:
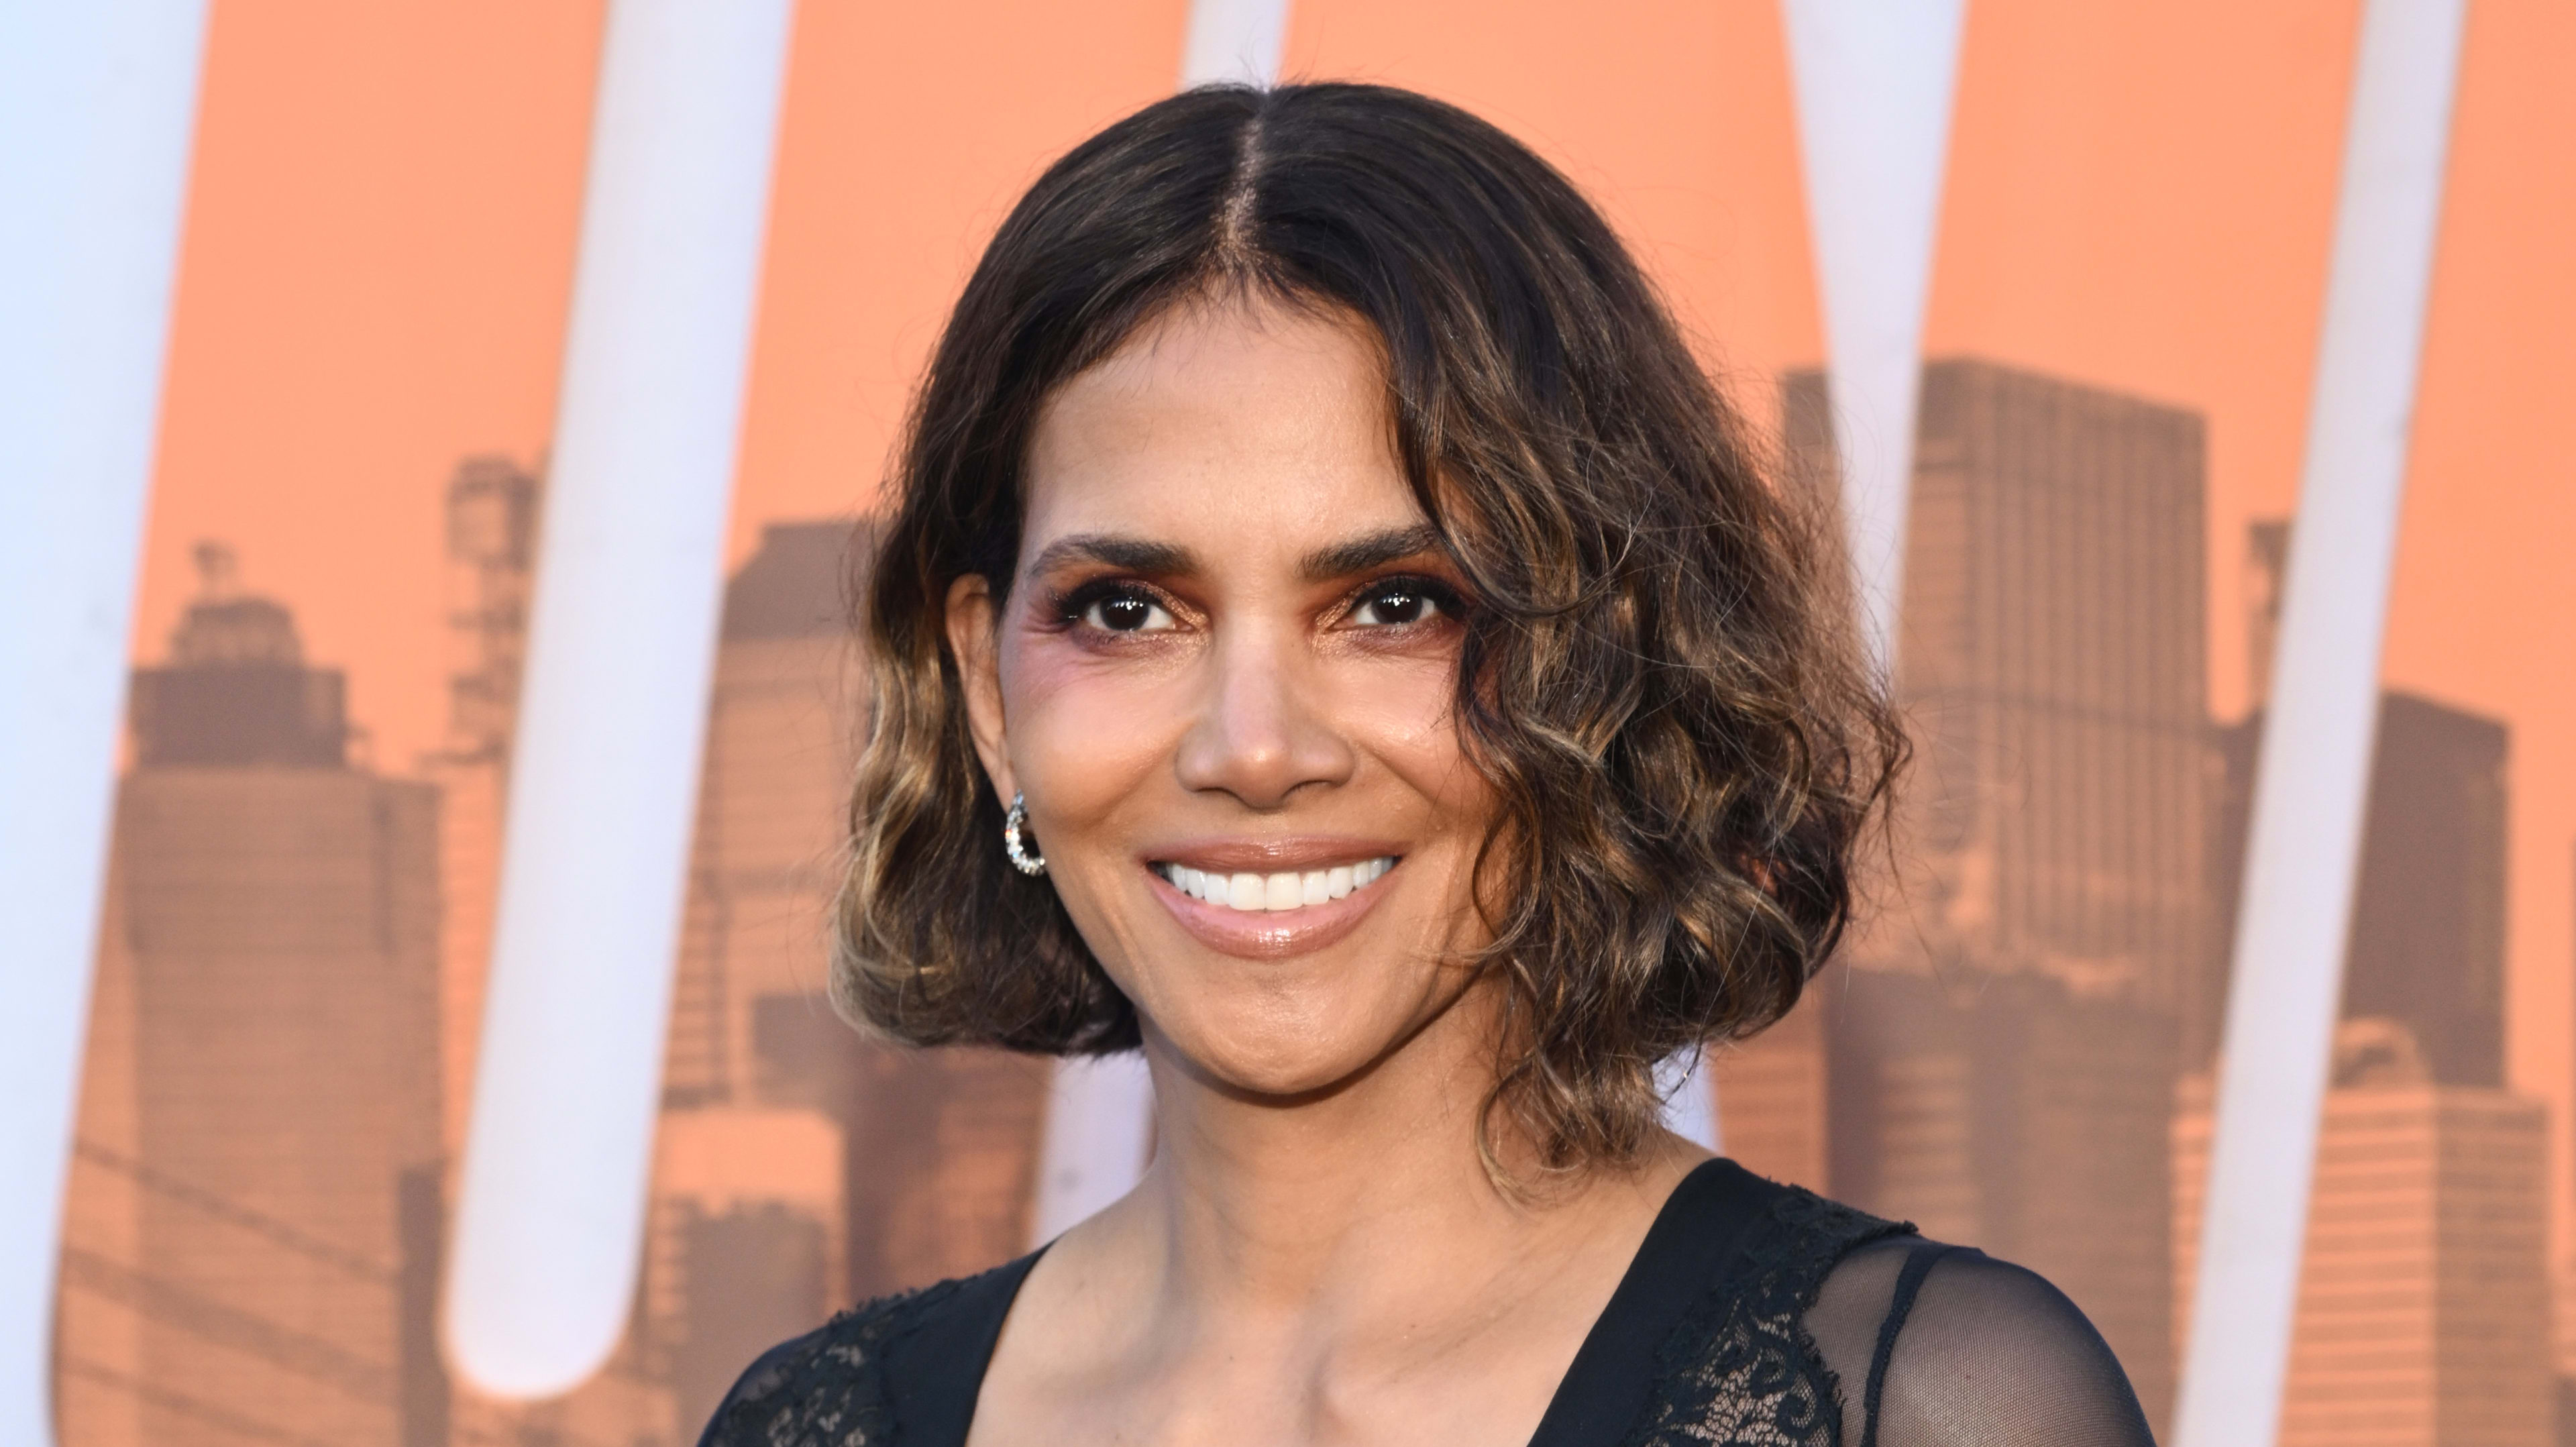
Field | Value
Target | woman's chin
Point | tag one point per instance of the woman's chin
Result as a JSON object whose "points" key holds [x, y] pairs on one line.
{"points": [[1278, 1077], [1277, 1066], [1287, 1064], [1293, 1045]]}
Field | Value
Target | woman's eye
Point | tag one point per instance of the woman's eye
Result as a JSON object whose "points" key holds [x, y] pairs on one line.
{"points": [[1127, 613], [1395, 605]]}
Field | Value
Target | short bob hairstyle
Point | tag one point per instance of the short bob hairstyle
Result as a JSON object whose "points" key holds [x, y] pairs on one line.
{"points": [[1657, 676]]}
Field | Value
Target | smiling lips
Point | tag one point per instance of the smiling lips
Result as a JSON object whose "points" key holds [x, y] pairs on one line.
{"points": [[1290, 890]]}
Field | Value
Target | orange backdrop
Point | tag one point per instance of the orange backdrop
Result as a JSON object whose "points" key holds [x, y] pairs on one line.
{"points": [[385, 197]]}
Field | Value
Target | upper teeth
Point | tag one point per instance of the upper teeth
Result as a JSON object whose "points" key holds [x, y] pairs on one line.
{"points": [[1276, 891]]}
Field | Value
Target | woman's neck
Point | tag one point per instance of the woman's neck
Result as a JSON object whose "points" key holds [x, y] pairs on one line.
{"points": [[1324, 1267], [1328, 1205]]}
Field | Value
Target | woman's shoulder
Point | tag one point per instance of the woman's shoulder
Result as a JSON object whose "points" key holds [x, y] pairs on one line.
{"points": [[1825, 1324], [912, 1360], [1937, 1345]]}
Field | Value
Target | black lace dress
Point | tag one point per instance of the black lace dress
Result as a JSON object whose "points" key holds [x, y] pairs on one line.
{"points": [[1753, 1313]]}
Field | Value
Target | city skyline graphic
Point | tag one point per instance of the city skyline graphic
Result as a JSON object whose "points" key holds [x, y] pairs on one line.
{"points": [[2018, 1058], [2135, 223]]}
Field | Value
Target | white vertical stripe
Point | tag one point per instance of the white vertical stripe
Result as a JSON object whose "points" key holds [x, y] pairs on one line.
{"points": [[2315, 766], [1234, 40], [98, 100], [1100, 1111], [1100, 1117], [1874, 81], [621, 643], [1689, 1089]]}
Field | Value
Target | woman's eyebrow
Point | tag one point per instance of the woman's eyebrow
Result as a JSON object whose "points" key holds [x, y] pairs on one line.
{"points": [[1370, 550], [1134, 555]]}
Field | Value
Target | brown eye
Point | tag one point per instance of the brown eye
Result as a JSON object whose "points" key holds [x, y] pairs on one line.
{"points": [[1395, 604], [1127, 613]]}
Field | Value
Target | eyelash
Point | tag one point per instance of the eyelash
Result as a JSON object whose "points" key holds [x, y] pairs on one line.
{"points": [[1442, 598], [1070, 607]]}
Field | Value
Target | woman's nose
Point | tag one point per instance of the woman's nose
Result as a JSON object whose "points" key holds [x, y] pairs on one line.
{"points": [[1261, 733]]}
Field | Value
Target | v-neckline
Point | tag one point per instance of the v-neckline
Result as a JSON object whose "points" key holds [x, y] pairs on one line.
{"points": [[1603, 1389], [1613, 1372]]}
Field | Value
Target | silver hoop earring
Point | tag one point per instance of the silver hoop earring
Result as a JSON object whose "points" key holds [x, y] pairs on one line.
{"points": [[1021, 859]]}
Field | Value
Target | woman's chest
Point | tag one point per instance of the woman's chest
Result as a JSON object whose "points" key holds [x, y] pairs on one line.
{"points": [[1419, 1384]]}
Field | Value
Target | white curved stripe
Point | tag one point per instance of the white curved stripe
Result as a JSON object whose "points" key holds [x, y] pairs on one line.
{"points": [[1239, 40], [2309, 795], [1099, 1131], [97, 104], [621, 643], [1874, 81]]}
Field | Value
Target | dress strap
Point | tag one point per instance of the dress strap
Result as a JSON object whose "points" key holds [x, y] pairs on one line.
{"points": [[1918, 1264], [1726, 1356]]}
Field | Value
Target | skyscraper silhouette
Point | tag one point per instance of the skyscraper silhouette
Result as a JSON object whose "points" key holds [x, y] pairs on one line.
{"points": [[99, 1386], [273, 954], [2428, 916], [936, 1149], [2052, 659], [2001, 1050], [493, 508], [2428, 921], [2423, 1311], [492, 513], [745, 1248]]}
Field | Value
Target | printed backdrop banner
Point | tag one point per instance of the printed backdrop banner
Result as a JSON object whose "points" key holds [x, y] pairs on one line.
{"points": [[2125, 265]]}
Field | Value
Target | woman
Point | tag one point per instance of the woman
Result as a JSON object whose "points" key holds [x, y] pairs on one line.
{"points": [[1333, 637]]}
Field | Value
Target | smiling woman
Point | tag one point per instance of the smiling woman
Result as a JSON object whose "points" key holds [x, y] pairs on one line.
{"points": [[1418, 714]]}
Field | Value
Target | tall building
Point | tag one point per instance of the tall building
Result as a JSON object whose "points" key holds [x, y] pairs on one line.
{"points": [[271, 966], [2428, 921], [2001, 1051], [2423, 1313], [936, 1149], [2428, 913], [493, 510], [746, 1242], [782, 725], [99, 1386], [1772, 1110], [493, 506], [2013, 1113], [2052, 659], [2417, 1309]]}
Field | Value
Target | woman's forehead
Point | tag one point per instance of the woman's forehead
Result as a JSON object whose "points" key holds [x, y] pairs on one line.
{"points": [[1222, 426]]}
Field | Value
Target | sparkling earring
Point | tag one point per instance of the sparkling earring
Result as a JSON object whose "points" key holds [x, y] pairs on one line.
{"points": [[1021, 859]]}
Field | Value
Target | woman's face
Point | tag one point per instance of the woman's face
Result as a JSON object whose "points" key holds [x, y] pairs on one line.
{"points": [[1223, 679]]}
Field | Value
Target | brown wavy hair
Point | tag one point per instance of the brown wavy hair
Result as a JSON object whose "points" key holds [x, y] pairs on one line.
{"points": [[1658, 677]]}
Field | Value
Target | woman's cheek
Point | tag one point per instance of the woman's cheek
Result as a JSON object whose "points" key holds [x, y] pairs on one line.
{"points": [[1405, 710], [1083, 727]]}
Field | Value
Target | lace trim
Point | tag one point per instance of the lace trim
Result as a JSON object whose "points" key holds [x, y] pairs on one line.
{"points": [[830, 1389], [1739, 1368]]}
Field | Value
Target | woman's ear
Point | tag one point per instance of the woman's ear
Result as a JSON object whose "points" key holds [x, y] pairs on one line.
{"points": [[974, 638]]}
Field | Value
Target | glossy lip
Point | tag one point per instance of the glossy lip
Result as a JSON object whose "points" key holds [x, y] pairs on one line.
{"points": [[1261, 934]]}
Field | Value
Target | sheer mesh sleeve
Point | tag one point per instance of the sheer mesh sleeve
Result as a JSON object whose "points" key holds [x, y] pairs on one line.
{"points": [[1935, 1346]]}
